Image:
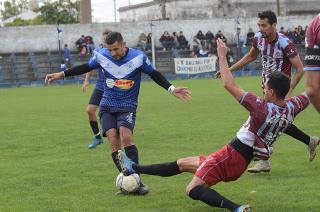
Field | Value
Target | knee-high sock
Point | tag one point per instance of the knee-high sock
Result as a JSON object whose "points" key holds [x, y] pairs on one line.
{"points": [[163, 169], [132, 153], [95, 129], [115, 161], [212, 198], [296, 133]]}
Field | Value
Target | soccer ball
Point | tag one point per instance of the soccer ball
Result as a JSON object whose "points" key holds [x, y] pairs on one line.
{"points": [[129, 183]]}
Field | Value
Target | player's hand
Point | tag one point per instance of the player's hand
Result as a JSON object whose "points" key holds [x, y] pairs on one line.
{"points": [[222, 50], [85, 86], [182, 93], [55, 76]]}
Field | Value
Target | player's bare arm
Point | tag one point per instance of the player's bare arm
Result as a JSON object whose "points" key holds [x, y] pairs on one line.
{"points": [[296, 62], [86, 81], [182, 93], [226, 76], [78, 70], [248, 58]]}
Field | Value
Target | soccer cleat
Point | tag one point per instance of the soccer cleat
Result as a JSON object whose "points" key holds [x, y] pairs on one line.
{"points": [[314, 142], [125, 163], [142, 190], [244, 208], [261, 166], [95, 142]]}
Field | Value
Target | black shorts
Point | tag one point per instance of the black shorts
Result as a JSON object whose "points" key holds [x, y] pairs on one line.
{"points": [[115, 120], [96, 97]]}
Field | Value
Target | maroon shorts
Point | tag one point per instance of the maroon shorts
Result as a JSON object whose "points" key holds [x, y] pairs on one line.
{"points": [[226, 164]]}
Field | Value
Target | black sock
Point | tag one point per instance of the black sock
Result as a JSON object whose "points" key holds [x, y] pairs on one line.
{"points": [[114, 158], [132, 153], [296, 133], [98, 136], [95, 128], [163, 169], [211, 197]]}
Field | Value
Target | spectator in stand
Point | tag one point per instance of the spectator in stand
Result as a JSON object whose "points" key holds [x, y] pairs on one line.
{"points": [[302, 33], [204, 50], [195, 46], [221, 36], [182, 40], [67, 56], [82, 45], [149, 41], [210, 40], [200, 35], [175, 40], [166, 40], [90, 44], [296, 36], [282, 31], [143, 42], [250, 36], [240, 42]]}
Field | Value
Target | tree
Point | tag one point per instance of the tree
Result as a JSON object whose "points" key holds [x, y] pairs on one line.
{"points": [[13, 8], [63, 12]]}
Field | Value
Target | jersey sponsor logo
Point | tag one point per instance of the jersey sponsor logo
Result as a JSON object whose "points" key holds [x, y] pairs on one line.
{"points": [[124, 84], [110, 83]]}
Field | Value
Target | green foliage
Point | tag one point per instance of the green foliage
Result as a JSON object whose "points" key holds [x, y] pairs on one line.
{"points": [[12, 8], [63, 11], [46, 166]]}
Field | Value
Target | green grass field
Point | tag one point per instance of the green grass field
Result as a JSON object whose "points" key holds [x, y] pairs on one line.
{"points": [[45, 164]]}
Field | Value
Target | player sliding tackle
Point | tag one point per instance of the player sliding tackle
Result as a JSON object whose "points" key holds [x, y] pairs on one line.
{"points": [[268, 118], [122, 69]]}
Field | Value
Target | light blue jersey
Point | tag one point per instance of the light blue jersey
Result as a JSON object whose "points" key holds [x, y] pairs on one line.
{"points": [[122, 77]]}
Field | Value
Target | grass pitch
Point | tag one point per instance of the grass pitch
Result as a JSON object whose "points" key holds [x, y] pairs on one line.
{"points": [[45, 164]]}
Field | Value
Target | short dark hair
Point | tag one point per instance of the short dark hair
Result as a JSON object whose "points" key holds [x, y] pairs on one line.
{"points": [[279, 83], [271, 16], [113, 37]]}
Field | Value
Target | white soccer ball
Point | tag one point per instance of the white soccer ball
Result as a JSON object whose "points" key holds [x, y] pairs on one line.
{"points": [[129, 183]]}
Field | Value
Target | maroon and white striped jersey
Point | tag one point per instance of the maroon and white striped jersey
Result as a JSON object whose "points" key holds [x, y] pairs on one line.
{"points": [[275, 55], [313, 33], [267, 121]]}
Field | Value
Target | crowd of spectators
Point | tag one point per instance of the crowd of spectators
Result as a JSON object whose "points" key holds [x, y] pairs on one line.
{"points": [[85, 44], [296, 34]]}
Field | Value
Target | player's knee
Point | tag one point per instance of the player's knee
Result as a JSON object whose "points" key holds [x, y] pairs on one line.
{"points": [[126, 139], [312, 91], [180, 163], [91, 110], [190, 192], [112, 134]]}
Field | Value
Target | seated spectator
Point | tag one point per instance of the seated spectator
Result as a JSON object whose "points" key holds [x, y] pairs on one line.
{"points": [[175, 40], [204, 50], [200, 35], [166, 40], [195, 46], [143, 42], [210, 40], [221, 36], [250, 36], [90, 44], [82, 45], [182, 40]]}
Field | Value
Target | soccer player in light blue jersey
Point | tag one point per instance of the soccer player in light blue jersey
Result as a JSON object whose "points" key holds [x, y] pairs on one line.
{"points": [[122, 68]]}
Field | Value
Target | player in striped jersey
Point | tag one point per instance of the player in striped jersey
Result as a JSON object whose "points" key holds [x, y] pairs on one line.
{"points": [[278, 54], [268, 118], [122, 68], [312, 60]]}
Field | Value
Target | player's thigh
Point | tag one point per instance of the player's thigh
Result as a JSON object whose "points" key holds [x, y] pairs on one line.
{"points": [[126, 120], [189, 164], [312, 80], [108, 121]]}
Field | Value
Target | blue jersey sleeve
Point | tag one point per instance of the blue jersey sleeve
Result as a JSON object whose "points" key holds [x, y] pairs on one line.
{"points": [[147, 67], [93, 61]]}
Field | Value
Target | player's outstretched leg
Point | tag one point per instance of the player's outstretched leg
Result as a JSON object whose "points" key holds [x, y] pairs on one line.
{"points": [[261, 166], [314, 142]]}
